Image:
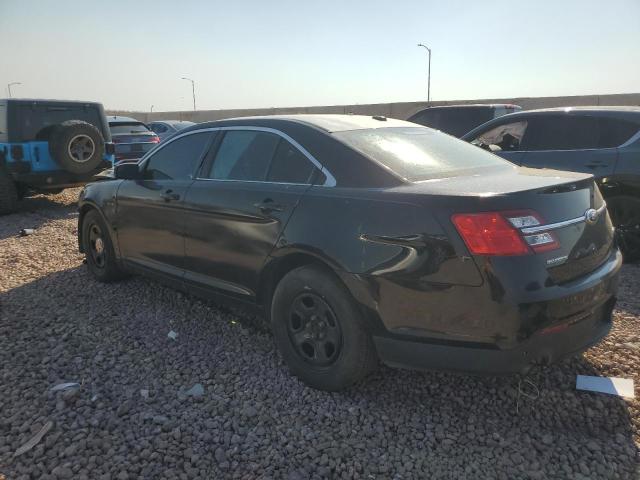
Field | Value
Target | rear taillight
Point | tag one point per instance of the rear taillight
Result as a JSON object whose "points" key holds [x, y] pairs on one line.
{"points": [[155, 139], [498, 233]]}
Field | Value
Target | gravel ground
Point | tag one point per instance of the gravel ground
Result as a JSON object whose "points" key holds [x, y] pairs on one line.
{"points": [[132, 417]]}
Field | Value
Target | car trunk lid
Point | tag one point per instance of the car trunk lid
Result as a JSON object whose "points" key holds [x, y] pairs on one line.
{"points": [[563, 210]]}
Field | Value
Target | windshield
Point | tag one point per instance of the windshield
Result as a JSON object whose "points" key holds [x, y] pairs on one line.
{"points": [[127, 127], [417, 154]]}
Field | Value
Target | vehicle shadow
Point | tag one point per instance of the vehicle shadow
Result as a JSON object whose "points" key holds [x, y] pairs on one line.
{"points": [[113, 339], [35, 211]]}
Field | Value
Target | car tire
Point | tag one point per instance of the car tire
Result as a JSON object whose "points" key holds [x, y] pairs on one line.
{"points": [[319, 330], [98, 249], [625, 216], [77, 146], [8, 193]]}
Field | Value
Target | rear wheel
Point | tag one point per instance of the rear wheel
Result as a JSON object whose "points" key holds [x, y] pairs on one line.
{"points": [[8, 193], [99, 252], [625, 215], [319, 331]]}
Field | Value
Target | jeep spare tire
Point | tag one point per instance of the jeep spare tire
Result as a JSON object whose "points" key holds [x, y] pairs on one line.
{"points": [[77, 146]]}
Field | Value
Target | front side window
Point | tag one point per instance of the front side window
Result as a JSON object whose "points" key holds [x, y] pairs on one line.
{"points": [[244, 155], [417, 154], [178, 159], [507, 137], [289, 165]]}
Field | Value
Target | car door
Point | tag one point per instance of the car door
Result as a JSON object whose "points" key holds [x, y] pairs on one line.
{"points": [[504, 138], [150, 223], [562, 141], [235, 211]]}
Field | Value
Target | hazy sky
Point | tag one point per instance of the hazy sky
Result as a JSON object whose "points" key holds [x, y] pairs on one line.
{"points": [[242, 54]]}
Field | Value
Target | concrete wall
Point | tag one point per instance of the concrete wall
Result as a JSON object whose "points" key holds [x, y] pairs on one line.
{"points": [[392, 110]]}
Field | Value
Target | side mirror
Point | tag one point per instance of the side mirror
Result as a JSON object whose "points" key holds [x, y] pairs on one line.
{"points": [[127, 171]]}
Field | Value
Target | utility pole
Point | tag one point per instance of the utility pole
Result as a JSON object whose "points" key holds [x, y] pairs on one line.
{"points": [[429, 74], [193, 91], [9, 86]]}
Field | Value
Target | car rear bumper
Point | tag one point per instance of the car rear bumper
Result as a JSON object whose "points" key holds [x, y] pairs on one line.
{"points": [[58, 178], [541, 349], [571, 319]]}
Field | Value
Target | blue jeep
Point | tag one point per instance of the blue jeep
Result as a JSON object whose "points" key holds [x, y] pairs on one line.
{"points": [[49, 145]]}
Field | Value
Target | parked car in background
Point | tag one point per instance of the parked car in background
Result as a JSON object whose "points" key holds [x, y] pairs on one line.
{"points": [[49, 145], [165, 128], [131, 137], [457, 120], [602, 141], [363, 238]]}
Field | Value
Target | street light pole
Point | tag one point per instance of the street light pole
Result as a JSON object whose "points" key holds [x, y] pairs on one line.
{"points": [[429, 74], [151, 108], [193, 91], [9, 86]]}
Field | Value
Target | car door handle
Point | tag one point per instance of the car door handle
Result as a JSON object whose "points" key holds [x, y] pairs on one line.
{"points": [[268, 206], [169, 195]]}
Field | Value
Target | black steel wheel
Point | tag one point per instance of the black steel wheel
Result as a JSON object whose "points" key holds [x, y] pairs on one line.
{"points": [[314, 330], [96, 245], [319, 330], [98, 249]]}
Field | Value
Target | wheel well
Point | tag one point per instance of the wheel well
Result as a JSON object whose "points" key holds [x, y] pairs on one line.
{"points": [[282, 266]]}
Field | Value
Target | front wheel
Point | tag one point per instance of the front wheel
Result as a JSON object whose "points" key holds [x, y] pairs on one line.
{"points": [[625, 216], [319, 331], [98, 248]]}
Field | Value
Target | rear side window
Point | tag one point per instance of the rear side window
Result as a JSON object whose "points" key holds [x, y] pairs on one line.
{"points": [[417, 154], [178, 159], [614, 132], [244, 155], [569, 132], [289, 165], [127, 128], [563, 132]]}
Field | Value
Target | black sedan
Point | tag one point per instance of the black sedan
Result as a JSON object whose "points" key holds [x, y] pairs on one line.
{"points": [[365, 238]]}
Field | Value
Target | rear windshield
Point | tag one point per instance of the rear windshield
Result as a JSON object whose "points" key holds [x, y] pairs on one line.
{"points": [[454, 121], [33, 121], [417, 154], [118, 128]]}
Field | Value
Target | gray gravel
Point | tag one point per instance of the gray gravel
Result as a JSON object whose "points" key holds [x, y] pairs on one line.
{"points": [[137, 415]]}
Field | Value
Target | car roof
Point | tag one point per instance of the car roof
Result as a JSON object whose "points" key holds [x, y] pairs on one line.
{"points": [[119, 118], [592, 108], [473, 105], [173, 122], [629, 113], [329, 123], [47, 101]]}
